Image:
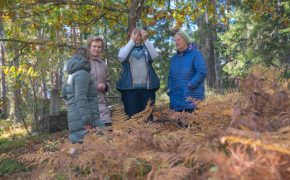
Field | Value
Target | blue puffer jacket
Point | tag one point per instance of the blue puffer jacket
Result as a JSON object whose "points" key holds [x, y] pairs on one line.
{"points": [[186, 79], [125, 81]]}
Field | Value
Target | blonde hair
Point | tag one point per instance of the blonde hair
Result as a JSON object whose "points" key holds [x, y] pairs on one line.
{"points": [[95, 38]]}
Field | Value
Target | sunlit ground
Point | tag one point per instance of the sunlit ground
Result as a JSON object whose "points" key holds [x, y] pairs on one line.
{"points": [[12, 136], [8, 130]]}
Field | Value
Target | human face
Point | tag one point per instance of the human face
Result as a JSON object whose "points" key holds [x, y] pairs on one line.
{"points": [[180, 43], [138, 37], [96, 48]]}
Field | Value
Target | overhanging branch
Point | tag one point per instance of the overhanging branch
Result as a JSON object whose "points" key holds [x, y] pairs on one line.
{"points": [[67, 2], [44, 43]]}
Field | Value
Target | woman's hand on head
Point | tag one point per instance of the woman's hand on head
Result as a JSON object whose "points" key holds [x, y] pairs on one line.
{"points": [[144, 35]]}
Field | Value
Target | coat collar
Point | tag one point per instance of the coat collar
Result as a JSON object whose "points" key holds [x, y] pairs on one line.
{"points": [[188, 50], [96, 60]]}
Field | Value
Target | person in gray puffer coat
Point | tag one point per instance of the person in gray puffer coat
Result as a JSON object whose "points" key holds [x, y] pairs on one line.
{"points": [[80, 92]]}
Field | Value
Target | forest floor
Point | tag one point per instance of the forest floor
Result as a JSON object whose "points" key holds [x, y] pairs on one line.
{"points": [[244, 134]]}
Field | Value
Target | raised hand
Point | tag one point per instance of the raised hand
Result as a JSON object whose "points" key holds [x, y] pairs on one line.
{"points": [[144, 35]]}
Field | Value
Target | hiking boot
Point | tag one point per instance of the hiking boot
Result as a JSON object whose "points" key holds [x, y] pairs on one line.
{"points": [[108, 127], [108, 124]]}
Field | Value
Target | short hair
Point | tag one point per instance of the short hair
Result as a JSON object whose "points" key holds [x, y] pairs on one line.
{"points": [[81, 51], [95, 38]]}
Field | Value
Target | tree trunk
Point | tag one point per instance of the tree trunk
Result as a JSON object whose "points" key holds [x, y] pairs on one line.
{"points": [[15, 109], [135, 12], [4, 106], [74, 37], [55, 88], [34, 104], [44, 86], [54, 102], [16, 91], [208, 34], [211, 65]]}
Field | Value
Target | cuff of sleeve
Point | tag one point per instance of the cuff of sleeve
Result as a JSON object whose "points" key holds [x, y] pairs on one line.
{"points": [[131, 42], [190, 86], [88, 122], [147, 41], [107, 88]]}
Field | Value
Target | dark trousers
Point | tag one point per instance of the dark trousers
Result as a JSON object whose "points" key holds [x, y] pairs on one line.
{"points": [[136, 100], [186, 110]]}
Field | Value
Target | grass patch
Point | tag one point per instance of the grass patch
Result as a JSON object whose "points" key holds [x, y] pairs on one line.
{"points": [[14, 137], [5, 125], [51, 146], [60, 176], [13, 142], [10, 166]]}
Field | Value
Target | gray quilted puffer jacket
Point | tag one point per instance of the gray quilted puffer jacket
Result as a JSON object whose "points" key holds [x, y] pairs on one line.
{"points": [[81, 94]]}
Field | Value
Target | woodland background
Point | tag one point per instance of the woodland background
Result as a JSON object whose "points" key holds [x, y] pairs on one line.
{"points": [[38, 36]]}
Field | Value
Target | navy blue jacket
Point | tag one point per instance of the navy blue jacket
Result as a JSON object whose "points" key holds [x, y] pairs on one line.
{"points": [[125, 81], [186, 79]]}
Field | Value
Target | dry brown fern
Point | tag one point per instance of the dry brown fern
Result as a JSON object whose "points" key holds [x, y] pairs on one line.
{"points": [[171, 173], [245, 162], [145, 115], [118, 114], [260, 104]]}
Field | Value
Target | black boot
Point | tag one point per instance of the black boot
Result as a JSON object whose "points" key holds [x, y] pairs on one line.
{"points": [[108, 124]]}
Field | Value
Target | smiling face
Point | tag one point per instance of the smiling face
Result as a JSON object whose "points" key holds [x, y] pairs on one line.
{"points": [[180, 43], [96, 48]]}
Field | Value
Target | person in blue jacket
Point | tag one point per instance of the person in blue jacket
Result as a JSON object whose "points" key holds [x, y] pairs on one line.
{"points": [[186, 75], [138, 80]]}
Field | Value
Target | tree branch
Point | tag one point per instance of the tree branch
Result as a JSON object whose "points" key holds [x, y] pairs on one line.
{"points": [[92, 21], [44, 43], [68, 2], [86, 2]]}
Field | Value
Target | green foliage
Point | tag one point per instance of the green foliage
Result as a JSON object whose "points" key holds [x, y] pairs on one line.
{"points": [[43, 35], [81, 171], [15, 137], [12, 142], [60, 176], [10, 166], [260, 36], [51, 146]]}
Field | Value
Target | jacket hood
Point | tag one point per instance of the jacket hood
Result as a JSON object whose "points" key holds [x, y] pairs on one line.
{"points": [[77, 63]]}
